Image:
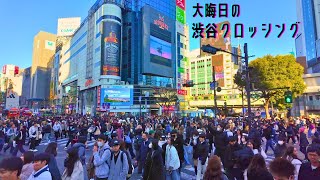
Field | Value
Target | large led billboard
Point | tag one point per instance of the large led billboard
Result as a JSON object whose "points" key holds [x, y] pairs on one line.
{"points": [[116, 96], [110, 54], [160, 51], [158, 31]]}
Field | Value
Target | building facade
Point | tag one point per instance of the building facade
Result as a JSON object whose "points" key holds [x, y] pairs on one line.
{"points": [[44, 45], [11, 86], [26, 86], [123, 48]]}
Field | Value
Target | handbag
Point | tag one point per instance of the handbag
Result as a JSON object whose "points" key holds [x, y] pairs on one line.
{"points": [[90, 168]]}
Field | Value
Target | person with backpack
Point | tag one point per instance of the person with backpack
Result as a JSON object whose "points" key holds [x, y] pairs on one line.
{"points": [[47, 132], [118, 162], [101, 158], [81, 146], [40, 167], [130, 162], [52, 164], [19, 141], [128, 141]]}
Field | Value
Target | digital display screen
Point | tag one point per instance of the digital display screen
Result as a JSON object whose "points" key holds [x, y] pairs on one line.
{"points": [[160, 51]]}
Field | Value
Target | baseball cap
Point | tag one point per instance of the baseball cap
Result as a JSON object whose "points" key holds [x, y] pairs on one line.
{"points": [[202, 135], [115, 142]]}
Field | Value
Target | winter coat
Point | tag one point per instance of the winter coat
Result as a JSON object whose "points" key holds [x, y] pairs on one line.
{"points": [[279, 150], [172, 158], [77, 173], [154, 167], [119, 168], [41, 174], [303, 140], [26, 171], [53, 168], [143, 151], [82, 155], [101, 161]]}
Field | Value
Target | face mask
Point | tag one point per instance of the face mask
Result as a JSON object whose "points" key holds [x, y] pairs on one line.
{"points": [[195, 137], [280, 142], [150, 145], [100, 144]]}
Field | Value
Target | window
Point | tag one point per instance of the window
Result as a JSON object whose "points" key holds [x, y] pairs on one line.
{"points": [[310, 98], [317, 97]]}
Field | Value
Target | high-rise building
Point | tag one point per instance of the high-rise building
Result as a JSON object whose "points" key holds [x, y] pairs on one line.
{"points": [[120, 52], [26, 86], [44, 46], [307, 41]]}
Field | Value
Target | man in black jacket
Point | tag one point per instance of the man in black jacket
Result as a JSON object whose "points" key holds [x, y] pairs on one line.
{"points": [[203, 152], [230, 158], [267, 133], [311, 170]]}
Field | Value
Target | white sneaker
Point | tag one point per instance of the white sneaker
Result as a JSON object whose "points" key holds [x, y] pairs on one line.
{"points": [[65, 148], [35, 150], [45, 144]]}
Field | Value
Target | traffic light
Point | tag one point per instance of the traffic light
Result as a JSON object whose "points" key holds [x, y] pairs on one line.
{"points": [[288, 97], [209, 49]]}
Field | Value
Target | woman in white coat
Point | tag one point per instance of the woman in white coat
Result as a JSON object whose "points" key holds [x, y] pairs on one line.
{"points": [[73, 167], [292, 156]]}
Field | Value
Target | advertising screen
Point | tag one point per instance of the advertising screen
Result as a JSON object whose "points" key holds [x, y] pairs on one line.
{"points": [[160, 51], [110, 54], [116, 96]]}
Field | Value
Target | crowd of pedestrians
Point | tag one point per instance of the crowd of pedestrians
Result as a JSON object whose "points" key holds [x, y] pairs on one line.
{"points": [[160, 147]]}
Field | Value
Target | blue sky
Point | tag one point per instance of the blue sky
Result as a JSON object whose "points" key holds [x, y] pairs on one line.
{"points": [[21, 20]]}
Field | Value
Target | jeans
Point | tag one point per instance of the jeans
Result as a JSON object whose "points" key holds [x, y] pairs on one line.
{"points": [[1, 143], [19, 147], [201, 169], [174, 175], [56, 134], [269, 144], [292, 138], [46, 137], [187, 154], [129, 146], [10, 145]]}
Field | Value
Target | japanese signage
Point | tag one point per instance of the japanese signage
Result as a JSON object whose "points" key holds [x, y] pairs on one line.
{"points": [[222, 40], [98, 96], [110, 54], [181, 4], [181, 15], [161, 23], [182, 92], [217, 64]]}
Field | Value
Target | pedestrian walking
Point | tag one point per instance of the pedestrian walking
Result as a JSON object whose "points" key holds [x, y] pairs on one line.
{"points": [[40, 167], [53, 167], [172, 162], [101, 158], [214, 169], [154, 168], [73, 166], [257, 169], [311, 170], [27, 168], [10, 168], [282, 169], [119, 162]]}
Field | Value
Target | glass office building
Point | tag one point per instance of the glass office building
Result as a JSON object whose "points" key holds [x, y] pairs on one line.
{"points": [[310, 31], [135, 45]]}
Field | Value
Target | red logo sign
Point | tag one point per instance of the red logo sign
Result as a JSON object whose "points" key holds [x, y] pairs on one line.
{"points": [[182, 92], [181, 4], [88, 82], [160, 22], [111, 38]]}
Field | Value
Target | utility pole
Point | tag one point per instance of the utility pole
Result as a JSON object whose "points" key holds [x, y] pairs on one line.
{"points": [[214, 90], [246, 59], [242, 102]]}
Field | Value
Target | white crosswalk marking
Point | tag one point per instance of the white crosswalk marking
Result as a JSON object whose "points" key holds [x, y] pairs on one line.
{"points": [[63, 142]]}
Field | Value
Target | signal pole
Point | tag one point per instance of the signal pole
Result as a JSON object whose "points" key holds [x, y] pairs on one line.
{"points": [[214, 90], [246, 59]]}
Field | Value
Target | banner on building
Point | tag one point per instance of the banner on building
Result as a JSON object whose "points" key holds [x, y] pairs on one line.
{"points": [[217, 64], [110, 54]]}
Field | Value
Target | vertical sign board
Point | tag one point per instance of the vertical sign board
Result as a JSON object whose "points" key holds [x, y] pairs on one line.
{"points": [[180, 22], [217, 63], [98, 96], [110, 53]]}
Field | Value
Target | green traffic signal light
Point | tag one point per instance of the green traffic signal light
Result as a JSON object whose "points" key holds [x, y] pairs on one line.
{"points": [[288, 99]]}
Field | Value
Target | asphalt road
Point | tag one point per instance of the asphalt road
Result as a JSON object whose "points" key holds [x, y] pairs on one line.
{"points": [[186, 174]]}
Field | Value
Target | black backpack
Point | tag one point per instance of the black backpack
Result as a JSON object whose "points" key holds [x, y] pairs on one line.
{"points": [[131, 168]]}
